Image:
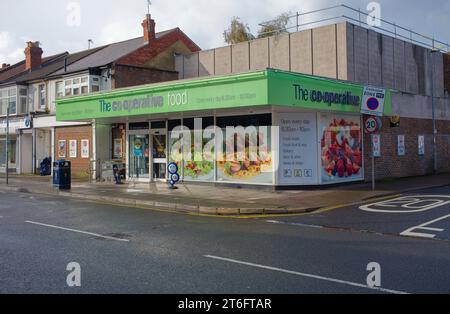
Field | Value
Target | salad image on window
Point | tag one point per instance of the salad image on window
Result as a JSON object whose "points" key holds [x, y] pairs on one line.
{"points": [[195, 168], [342, 150]]}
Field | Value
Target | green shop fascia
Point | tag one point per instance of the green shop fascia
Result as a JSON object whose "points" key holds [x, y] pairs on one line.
{"points": [[316, 134]]}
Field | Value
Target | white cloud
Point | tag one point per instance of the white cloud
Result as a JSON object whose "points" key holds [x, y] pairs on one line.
{"points": [[106, 21], [9, 48]]}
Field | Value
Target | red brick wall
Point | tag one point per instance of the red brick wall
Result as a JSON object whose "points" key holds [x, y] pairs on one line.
{"points": [[141, 56], [390, 165], [125, 76], [79, 165], [447, 72]]}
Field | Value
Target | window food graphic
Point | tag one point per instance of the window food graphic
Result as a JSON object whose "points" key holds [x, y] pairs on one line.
{"points": [[255, 169], [196, 168], [341, 148]]}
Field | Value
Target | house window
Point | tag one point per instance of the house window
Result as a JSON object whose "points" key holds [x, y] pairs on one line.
{"points": [[23, 103], [42, 103], [8, 97], [59, 90], [77, 86]]}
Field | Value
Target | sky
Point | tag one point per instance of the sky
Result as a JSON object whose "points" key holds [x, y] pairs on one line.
{"points": [[66, 25]]}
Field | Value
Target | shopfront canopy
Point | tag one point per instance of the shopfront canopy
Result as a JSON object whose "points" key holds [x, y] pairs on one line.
{"points": [[262, 88]]}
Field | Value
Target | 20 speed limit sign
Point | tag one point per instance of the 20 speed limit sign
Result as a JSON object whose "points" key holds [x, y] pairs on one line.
{"points": [[372, 125]]}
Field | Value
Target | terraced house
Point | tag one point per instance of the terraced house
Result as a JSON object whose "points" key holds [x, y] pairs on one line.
{"points": [[30, 89]]}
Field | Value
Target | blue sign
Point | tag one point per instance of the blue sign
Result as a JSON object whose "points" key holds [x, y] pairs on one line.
{"points": [[373, 104], [174, 177]]}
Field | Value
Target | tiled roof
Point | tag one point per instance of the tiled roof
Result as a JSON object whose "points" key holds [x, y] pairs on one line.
{"points": [[109, 54]]}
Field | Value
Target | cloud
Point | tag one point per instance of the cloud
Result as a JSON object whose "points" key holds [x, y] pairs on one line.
{"points": [[9, 48], [202, 20]]}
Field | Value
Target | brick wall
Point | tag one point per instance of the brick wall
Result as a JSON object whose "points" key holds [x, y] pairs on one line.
{"points": [[390, 165], [447, 72], [125, 76], [80, 165]]}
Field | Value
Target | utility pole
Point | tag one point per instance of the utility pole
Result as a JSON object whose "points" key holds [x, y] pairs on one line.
{"points": [[7, 144]]}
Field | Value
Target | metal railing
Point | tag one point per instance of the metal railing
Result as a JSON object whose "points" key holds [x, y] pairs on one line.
{"points": [[340, 13]]}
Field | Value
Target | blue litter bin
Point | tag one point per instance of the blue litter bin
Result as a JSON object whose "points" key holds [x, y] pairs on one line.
{"points": [[62, 175]]}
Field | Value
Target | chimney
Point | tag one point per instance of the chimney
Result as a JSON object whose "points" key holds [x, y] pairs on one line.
{"points": [[33, 55], [4, 66], [148, 26]]}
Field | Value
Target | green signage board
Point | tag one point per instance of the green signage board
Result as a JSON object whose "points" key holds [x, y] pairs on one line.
{"points": [[217, 93], [270, 87], [296, 90]]}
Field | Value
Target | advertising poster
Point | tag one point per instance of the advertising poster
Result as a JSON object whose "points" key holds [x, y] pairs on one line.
{"points": [[85, 149], [194, 167], [118, 149], [257, 169], [298, 149], [421, 145], [138, 148], [341, 148], [376, 145], [401, 145], [62, 151], [73, 148]]}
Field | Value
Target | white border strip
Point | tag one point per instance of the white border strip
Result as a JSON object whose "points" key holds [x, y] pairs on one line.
{"points": [[78, 231], [348, 283]]}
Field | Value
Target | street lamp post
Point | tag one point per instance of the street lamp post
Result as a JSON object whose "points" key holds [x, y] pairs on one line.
{"points": [[433, 113]]}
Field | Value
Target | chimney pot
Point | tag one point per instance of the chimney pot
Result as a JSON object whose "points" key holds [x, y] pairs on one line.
{"points": [[148, 26]]}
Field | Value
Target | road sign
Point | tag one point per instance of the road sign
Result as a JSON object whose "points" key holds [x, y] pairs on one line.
{"points": [[376, 145], [373, 101], [372, 125]]}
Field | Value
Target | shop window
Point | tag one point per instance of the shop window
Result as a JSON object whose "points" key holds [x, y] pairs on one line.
{"points": [[139, 126], [173, 124], [158, 125], [245, 121]]}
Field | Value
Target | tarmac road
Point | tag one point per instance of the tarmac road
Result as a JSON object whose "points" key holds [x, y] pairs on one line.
{"points": [[131, 250]]}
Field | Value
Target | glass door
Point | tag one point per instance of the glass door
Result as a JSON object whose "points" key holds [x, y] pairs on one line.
{"points": [[159, 154], [139, 157]]}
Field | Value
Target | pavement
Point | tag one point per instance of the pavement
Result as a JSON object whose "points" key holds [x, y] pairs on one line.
{"points": [[222, 200], [122, 249]]}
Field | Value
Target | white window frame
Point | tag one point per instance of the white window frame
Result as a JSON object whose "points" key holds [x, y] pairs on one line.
{"points": [[42, 96], [8, 91]]}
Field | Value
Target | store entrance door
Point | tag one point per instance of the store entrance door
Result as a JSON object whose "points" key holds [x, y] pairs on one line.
{"points": [[159, 154], [139, 158]]}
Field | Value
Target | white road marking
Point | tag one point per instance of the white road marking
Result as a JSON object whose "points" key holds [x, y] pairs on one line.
{"points": [[348, 283], [410, 232], [408, 204], [77, 231], [293, 224]]}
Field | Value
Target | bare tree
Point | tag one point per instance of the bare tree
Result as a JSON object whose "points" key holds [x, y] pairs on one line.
{"points": [[237, 32], [275, 26]]}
